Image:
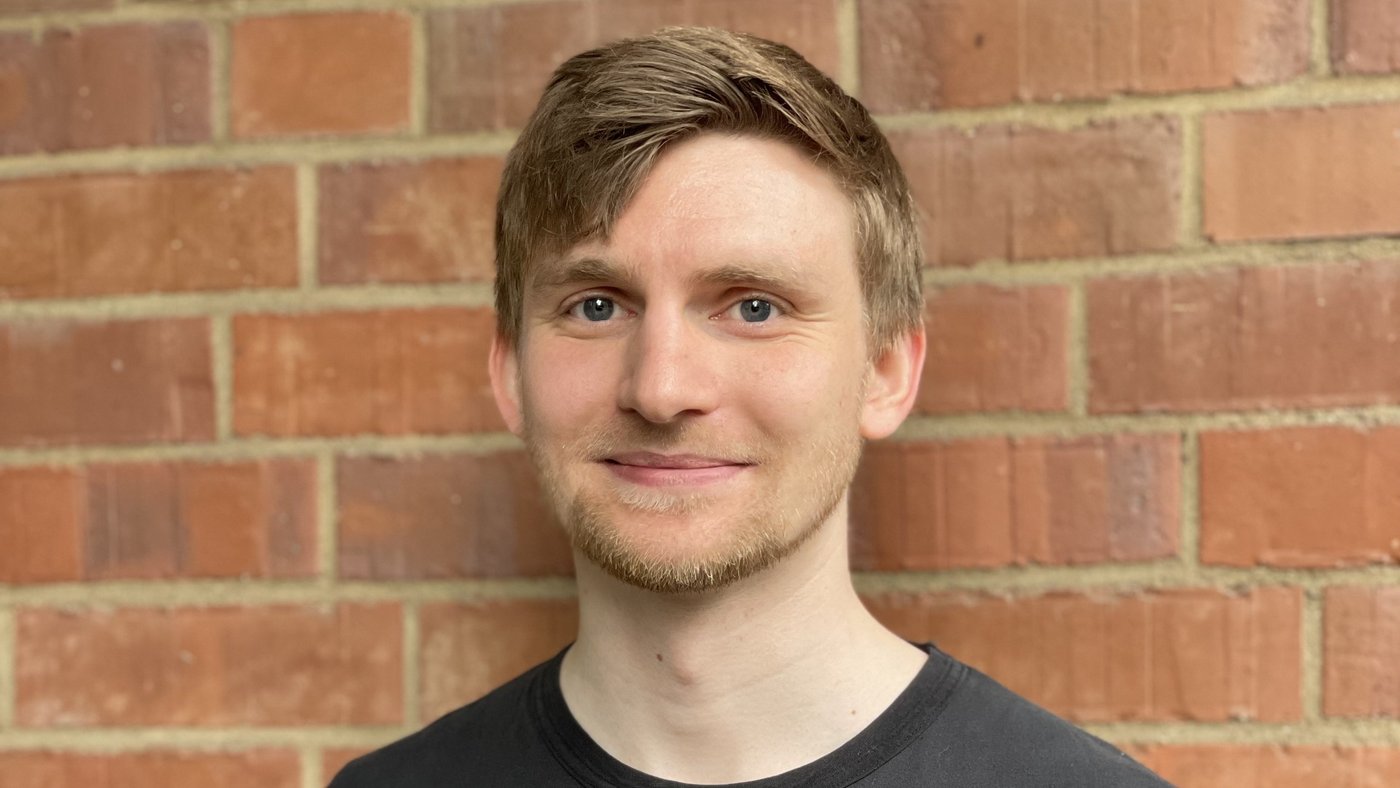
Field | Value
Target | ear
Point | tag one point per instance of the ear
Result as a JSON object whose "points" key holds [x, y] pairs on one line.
{"points": [[505, 381], [893, 384]]}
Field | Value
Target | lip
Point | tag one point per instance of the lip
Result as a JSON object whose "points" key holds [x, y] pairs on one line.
{"points": [[672, 470]]}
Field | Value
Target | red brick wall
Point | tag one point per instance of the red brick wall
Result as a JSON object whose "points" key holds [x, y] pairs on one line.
{"points": [[258, 513]]}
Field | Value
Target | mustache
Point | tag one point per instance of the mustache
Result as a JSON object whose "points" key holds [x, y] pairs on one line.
{"points": [[623, 436]]}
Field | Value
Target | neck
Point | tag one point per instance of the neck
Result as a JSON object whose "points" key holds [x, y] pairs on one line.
{"points": [[738, 683]]}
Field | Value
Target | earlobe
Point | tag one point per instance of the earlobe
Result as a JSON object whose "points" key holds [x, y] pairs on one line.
{"points": [[893, 385], [505, 381]]}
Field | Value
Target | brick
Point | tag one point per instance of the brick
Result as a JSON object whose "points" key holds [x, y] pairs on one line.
{"points": [[1270, 766], [1307, 497], [158, 520], [1365, 36], [1000, 501], [155, 769], [255, 666], [446, 516], [470, 649], [41, 513], [101, 87], [1190, 654], [995, 349], [65, 382], [1360, 649], [347, 373], [91, 235], [488, 66], [933, 54], [1309, 336], [418, 221], [331, 73], [1314, 172], [1018, 193]]}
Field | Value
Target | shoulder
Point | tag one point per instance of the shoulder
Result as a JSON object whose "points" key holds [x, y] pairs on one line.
{"points": [[989, 735], [471, 743]]}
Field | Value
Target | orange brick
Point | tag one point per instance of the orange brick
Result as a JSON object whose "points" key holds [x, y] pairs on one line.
{"points": [[1361, 647], [427, 221], [1011, 193], [89, 235], [347, 373], [1365, 36], [994, 349], [930, 54], [281, 665], [1310, 497], [41, 515], [1270, 766], [155, 520], [470, 649], [1310, 336], [332, 73], [487, 66], [100, 87], [446, 516], [1000, 501], [64, 382], [1177, 655], [1302, 173], [333, 760], [59, 769]]}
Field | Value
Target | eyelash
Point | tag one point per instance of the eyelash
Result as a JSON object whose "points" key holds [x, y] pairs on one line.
{"points": [[780, 307]]}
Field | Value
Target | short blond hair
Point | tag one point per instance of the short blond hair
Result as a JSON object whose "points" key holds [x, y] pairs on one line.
{"points": [[609, 112]]}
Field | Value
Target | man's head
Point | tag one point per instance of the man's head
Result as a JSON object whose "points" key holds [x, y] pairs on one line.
{"points": [[708, 292]]}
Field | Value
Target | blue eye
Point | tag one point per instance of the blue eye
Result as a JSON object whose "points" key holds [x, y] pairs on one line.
{"points": [[595, 309], [755, 310]]}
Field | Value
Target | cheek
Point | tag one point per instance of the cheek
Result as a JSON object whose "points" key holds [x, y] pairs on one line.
{"points": [[797, 389], [563, 386]]}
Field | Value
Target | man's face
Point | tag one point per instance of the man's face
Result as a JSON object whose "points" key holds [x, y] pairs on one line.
{"points": [[691, 388]]}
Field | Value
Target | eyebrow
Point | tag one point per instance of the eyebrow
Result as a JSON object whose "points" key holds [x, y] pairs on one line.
{"points": [[781, 277]]}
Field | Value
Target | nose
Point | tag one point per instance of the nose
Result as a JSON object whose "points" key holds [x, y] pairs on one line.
{"points": [[670, 372]]}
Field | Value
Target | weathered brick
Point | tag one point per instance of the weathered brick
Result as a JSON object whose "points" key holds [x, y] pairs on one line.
{"points": [[1302, 173], [99, 87], [1312, 336], [103, 234], [446, 516], [328, 73], [1270, 766], [1305, 497], [1365, 36], [995, 349], [64, 382], [487, 66], [16, 7], [1361, 647], [346, 373], [931, 54], [153, 769], [470, 649], [999, 501], [425, 221], [276, 665], [1014, 193], [1192, 654], [157, 520]]}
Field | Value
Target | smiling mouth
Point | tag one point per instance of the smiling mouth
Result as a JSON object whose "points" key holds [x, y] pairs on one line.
{"points": [[681, 470]]}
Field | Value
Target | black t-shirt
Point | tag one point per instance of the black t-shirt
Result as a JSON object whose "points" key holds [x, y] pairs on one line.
{"points": [[952, 726]]}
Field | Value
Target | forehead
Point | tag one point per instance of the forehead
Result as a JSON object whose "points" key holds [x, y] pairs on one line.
{"points": [[733, 202]]}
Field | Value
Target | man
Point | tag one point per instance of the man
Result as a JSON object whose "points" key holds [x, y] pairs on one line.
{"points": [[708, 296]]}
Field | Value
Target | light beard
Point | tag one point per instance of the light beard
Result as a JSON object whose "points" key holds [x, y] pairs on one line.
{"points": [[751, 542]]}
